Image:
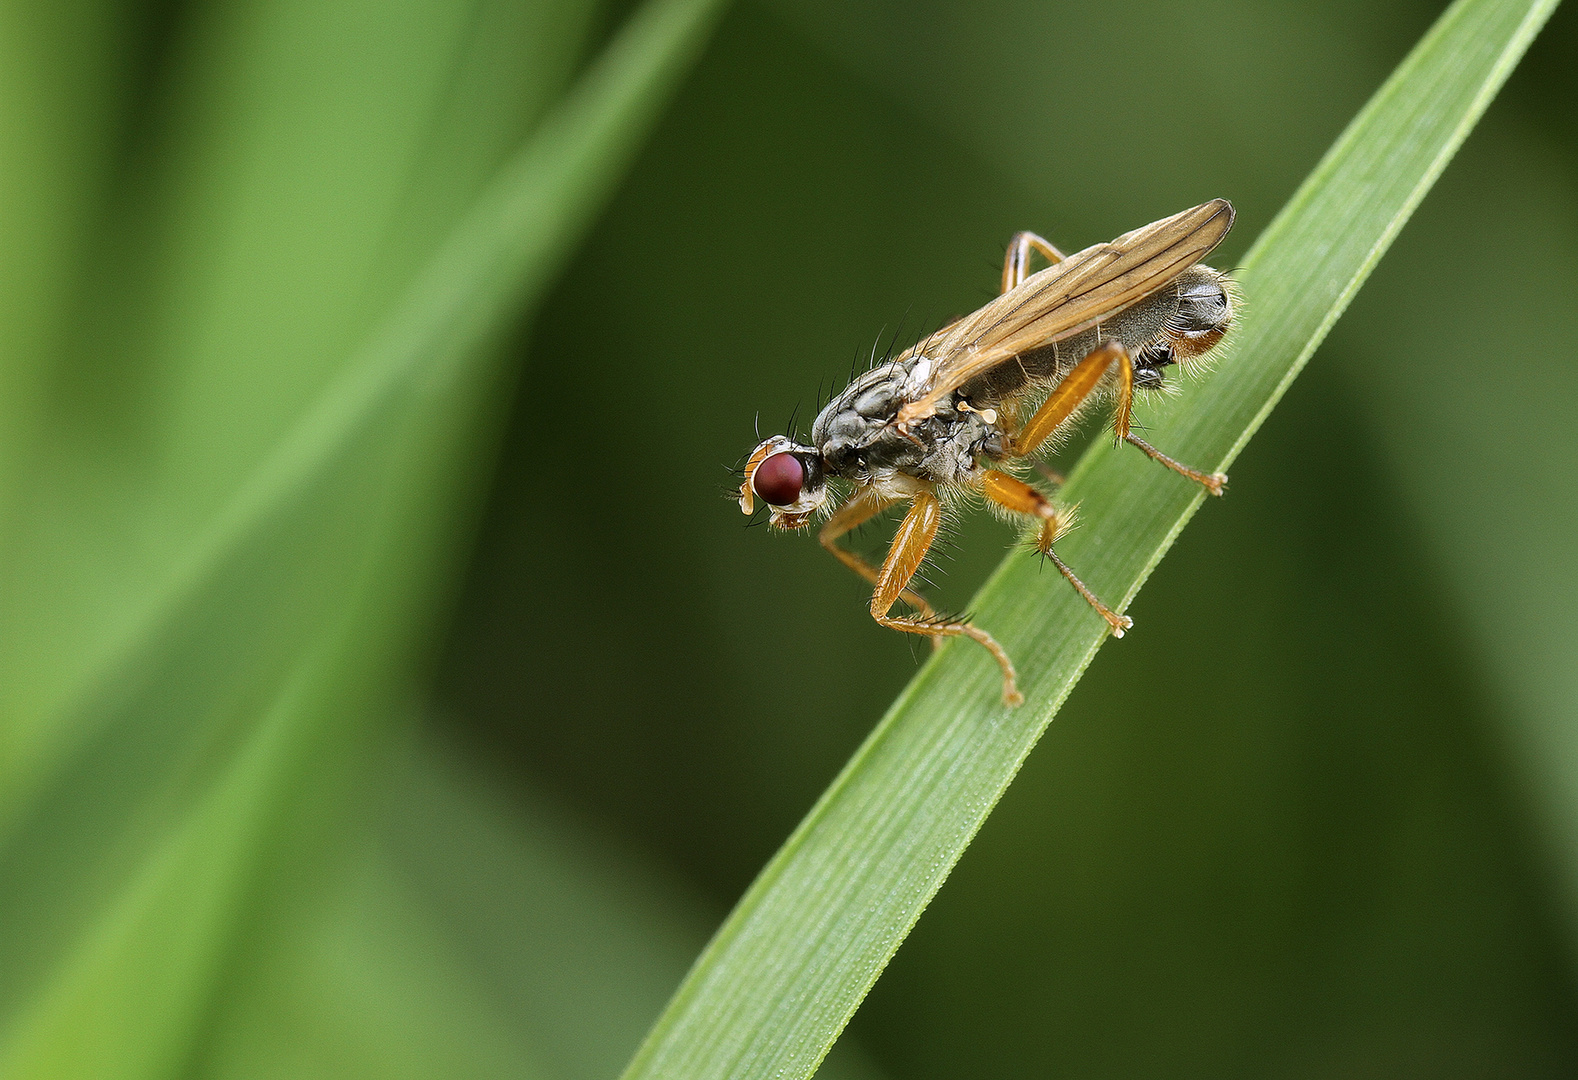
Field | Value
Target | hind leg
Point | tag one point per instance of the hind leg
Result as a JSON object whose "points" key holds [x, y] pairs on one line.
{"points": [[1019, 497], [1075, 389]]}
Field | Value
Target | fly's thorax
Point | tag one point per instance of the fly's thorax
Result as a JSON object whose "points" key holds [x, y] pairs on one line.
{"points": [[872, 397], [859, 438]]}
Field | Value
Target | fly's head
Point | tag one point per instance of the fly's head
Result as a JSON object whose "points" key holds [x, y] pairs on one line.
{"points": [[787, 477]]}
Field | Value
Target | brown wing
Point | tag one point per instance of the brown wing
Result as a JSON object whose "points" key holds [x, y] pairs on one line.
{"points": [[1068, 298]]}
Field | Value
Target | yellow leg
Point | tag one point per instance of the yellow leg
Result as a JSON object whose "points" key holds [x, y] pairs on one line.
{"points": [[1075, 390], [1019, 497], [910, 544], [1215, 483], [860, 509], [1016, 264]]}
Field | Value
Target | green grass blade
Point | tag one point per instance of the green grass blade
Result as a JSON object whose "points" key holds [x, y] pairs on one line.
{"points": [[805, 944]]}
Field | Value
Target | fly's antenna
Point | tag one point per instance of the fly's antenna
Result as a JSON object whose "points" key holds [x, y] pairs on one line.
{"points": [[731, 492]]}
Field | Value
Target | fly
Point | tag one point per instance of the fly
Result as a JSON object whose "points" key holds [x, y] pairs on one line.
{"points": [[967, 408]]}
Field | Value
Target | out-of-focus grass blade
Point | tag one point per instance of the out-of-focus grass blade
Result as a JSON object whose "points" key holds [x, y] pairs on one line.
{"points": [[225, 287], [60, 79], [224, 717], [798, 954], [1482, 445], [482, 934]]}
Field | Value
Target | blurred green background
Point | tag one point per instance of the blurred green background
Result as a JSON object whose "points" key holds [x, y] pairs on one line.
{"points": [[1316, 816]]}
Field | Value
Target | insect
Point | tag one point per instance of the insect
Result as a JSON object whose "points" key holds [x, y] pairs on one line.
{"points": [[965, 409]]}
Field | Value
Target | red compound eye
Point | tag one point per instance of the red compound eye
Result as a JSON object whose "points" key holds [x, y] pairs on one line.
{"points": [[779, 478]]}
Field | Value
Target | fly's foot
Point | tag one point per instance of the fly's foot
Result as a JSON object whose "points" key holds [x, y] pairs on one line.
{"points": [[1215, 482], [1118, 624]]}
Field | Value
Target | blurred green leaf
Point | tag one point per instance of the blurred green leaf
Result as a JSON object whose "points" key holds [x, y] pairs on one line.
{"points": [[61, 75], [226, 287], [483, 932], [785, 973], [1479, 442], [238, 695]]}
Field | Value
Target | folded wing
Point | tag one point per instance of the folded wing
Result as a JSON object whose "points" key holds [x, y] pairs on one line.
{"points": [[1068, 298]]}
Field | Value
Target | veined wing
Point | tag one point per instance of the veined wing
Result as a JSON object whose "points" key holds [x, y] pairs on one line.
{"points": [[1068, 298]]}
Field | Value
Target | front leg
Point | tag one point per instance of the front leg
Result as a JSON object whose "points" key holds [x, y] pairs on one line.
{"points": [[910, 544], [861, 508]]}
